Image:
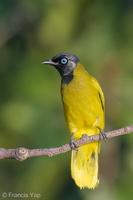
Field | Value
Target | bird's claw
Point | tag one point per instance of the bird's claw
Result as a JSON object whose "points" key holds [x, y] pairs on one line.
{"points": [[102, 135], [72, 144]]}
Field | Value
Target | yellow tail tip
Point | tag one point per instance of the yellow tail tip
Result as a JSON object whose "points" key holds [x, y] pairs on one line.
{"points": [[84, 166], [89, 186]]}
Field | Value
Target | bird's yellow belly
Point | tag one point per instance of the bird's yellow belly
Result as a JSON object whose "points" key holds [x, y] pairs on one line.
{"points": [[80, 122], [81, 116]]}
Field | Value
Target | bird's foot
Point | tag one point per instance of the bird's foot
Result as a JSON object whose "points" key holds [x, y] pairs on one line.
{"points": [[72, 144], [102, 135]]}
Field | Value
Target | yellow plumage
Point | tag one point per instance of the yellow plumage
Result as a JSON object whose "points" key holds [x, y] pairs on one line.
{"points": [[84, 114], [83, 102]]}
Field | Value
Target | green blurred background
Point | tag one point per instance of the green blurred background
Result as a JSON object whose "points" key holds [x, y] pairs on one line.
{"points": [[100, 33]]}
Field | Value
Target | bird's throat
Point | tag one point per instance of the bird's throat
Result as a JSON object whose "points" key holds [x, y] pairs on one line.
{"points": [[66, 79]]}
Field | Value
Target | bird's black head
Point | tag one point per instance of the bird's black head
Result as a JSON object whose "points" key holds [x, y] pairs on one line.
{"points": [[64, 63]]}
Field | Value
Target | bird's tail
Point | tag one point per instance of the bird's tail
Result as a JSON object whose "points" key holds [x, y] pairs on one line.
{"points": [[84, 165]]}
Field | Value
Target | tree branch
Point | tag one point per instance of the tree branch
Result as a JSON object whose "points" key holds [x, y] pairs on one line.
{"points": [[23, 153]]}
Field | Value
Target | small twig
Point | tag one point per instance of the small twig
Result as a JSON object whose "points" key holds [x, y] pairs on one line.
{"points": [[23, 153]]}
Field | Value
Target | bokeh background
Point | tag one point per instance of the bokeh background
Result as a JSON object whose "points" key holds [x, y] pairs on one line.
{"points": [[100, 33]]}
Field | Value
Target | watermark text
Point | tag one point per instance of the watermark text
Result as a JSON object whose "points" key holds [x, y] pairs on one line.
{"points": [[23, 195]]}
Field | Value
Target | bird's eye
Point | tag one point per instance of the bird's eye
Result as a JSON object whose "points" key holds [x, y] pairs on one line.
{"points": [[64, 61]]}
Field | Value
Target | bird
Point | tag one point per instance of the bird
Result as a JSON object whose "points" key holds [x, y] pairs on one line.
{"points": [[83, 103]]}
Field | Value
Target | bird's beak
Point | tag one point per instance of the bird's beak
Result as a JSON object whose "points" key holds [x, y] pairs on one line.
{"points": [[49, 62]]}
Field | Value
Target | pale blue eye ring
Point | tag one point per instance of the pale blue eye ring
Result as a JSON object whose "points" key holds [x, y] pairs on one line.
{"points": [[64, 61]]}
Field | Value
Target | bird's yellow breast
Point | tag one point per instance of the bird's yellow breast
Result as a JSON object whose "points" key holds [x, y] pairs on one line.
{"points": [[83, 103]]}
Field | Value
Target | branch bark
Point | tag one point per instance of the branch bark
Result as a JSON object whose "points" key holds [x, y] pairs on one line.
{"points": [[23, 153]]}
